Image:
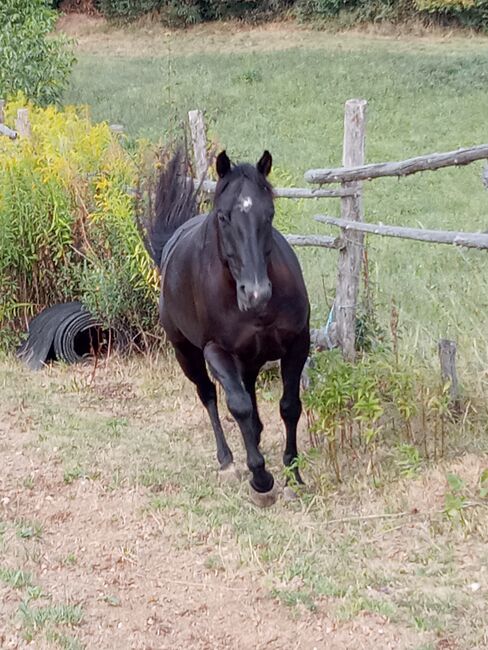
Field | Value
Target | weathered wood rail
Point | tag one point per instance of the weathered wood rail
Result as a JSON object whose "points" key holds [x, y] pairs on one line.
{"points": [[429, 162], [455, 238], [208, 187]]}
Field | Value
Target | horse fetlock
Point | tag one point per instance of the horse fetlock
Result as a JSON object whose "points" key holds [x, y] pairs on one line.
{"points": [[290, 411]]}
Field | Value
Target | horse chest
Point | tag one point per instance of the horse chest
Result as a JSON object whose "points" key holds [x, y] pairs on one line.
{"points": [[257, 341]]}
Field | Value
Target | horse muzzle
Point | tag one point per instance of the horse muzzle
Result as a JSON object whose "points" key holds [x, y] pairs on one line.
{"points": [[253, 295]]}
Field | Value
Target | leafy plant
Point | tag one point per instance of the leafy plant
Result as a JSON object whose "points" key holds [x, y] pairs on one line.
{"points": [[483, 484], [455, 499], [67, 223], [33, 61], [353, 408]]}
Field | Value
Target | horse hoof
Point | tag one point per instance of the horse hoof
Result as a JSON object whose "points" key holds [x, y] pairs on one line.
{"points": [[263, 499], [230, 474], [289, 494]]}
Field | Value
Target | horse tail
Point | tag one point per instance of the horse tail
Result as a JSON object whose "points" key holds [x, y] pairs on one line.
{"points": [[176, 202]]}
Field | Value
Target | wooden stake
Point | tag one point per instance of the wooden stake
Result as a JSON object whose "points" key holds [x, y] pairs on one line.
{"points": [[22, 123], [350, 256], [199, 140]]}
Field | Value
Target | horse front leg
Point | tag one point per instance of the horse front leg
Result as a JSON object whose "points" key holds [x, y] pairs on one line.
{"points": [[290, 405], [192, 363], [240, 403], [249, 379]]}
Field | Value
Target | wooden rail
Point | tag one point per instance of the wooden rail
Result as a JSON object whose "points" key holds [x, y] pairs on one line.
{"points": [[427, 162], [455, 238], [208, 187]]}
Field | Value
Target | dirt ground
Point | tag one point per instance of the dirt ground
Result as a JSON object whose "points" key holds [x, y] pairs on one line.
{"points": [[147, 577], [139, 590]]}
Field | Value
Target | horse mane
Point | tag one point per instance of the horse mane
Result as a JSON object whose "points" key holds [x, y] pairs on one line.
{"points": [[176, 202], [243, 170]]}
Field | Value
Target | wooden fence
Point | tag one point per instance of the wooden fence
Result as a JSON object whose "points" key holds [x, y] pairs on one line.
{"points": [[350, 177]]}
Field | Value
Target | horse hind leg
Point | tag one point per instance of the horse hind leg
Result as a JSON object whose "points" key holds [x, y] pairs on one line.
{"points": [[290, 405], [192, 363]]}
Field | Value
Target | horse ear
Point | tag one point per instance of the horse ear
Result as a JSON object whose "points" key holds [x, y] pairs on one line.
{"points": [[264, 163], [222, 164]]}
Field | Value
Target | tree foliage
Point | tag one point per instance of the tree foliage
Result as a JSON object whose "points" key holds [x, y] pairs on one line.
{"points": [[33, 61]]}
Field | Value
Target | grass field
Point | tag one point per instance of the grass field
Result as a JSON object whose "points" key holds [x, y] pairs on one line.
{"points": [[284, 89]]}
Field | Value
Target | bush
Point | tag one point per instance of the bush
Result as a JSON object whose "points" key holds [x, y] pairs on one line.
{"points": [[469, 13], [67, 224], [33, 62], [355, 11], [380, 404], [188, 12]]}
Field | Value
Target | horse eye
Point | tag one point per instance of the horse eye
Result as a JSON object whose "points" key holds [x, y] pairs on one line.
{"points": [[223, 218]]}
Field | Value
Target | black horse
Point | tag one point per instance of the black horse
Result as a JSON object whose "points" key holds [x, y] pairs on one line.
{"points": [[232, 297]]}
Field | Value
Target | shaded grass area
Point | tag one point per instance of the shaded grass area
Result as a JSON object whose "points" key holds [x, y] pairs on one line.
{"points": [[347, 549], [422, 97]]}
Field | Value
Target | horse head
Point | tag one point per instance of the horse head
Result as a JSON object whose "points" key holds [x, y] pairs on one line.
{"points": [[244, 211]]}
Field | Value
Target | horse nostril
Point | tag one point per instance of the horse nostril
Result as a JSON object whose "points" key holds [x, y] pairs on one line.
{"points": [[242, 288]]}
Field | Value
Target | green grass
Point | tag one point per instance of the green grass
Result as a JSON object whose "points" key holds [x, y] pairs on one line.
{"points": [[423, 97], [16, 578]]}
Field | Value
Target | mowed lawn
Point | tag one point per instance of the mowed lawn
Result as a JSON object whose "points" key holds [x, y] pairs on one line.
{"points": [[285, 91]]}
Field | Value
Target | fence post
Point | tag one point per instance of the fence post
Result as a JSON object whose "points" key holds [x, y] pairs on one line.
{"points": [[22, 124], [199, 140], [350, 256], [2, 111]]}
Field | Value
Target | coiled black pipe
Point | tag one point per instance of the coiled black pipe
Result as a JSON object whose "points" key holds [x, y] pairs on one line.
{"points": [[65, 332]]}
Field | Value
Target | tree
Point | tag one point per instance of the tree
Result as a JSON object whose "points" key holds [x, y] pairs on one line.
{"points": [[32, 60]]}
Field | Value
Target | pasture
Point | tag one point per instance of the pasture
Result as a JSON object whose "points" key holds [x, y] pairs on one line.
{"points": [[115, 530], [285, 90]]}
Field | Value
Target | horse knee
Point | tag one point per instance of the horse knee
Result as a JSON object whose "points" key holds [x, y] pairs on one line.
{"points": [[290, 410], [240, 405]]}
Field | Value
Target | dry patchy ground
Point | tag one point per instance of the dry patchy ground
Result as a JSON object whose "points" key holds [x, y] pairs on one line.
{"points": [[96, 35], [116, 533]]}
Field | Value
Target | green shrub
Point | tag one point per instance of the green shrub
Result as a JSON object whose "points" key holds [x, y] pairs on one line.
{"points": [[188, 12], [469, 13], [379, 402], [67, 224], [33, 62], [127, 9], [355, 11]]}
